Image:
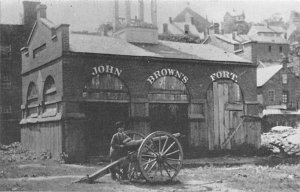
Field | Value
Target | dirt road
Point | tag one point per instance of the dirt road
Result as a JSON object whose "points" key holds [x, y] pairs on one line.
{"points": [[219, 174]]}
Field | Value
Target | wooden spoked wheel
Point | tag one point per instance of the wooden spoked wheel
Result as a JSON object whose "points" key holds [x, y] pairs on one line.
{"points": [[133, 168], [160, 157]]}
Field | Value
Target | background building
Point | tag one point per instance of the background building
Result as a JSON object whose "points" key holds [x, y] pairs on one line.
{"points": [[234, 21], [12, 39]]}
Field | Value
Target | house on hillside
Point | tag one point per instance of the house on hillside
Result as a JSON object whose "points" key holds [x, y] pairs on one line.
{"points": [[191, 16], [278, 87], [13, 37], [187, 22], [293, 31], [267, 31], [234, 21], [76, 86]]}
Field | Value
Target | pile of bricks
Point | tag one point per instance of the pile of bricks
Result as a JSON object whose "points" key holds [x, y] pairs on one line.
{"points": [[284, 140], [15, 152]]}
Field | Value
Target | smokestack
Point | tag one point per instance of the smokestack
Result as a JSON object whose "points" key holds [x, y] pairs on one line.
{"points": [[154, 12], [141, 10], [30, 15], [116, 15], [128, 12], [0, 12], [165, 28], [41, 11]]}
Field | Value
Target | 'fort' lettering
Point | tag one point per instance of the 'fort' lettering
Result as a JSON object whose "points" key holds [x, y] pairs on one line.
{"points": [[106, 69], [223, 75]]}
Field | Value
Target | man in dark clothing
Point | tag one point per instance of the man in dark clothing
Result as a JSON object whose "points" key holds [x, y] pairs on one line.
{"points": [[117, 151]]}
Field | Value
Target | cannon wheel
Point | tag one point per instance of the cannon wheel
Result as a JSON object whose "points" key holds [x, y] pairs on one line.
{"points": [[133, 168], [160, 157]]}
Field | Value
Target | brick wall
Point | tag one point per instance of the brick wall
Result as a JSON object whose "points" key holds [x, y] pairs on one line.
{"points": [[263, 53], [136, 71], [42, 36], [275, 83]]}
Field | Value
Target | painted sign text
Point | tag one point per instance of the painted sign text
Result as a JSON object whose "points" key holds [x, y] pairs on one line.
{"points": [[224, 75], [106, 69], [167, 72]]}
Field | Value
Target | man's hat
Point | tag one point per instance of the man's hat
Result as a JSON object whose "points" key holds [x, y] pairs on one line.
{"points": [[120, 124]]}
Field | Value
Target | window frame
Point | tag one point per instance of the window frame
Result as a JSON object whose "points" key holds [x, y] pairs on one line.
{"points": [[284, 78], [271, 100]]}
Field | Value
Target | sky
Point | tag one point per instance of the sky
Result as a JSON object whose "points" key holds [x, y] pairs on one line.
{"points": [[89, 14]]}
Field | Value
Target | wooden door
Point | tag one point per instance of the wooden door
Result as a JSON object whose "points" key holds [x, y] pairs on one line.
{"points": [[225, 108]]}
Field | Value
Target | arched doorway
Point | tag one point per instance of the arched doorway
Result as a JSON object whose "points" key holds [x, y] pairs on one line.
{"points": [[106, 101], [168, 107], [225, 105]]}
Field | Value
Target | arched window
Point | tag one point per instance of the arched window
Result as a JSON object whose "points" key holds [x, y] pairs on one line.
{"points": [[168, 88], [106, 87], [32, 100], [49, 97]]}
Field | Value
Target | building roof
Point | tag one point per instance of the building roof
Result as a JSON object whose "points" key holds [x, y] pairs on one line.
{"points": [[266, 73], [200, 22], [84, 43], [227, 38], [181, 16], [261, 29], [277, 29], [178, 29], [235, 13], [268, 39], [248, 38]]}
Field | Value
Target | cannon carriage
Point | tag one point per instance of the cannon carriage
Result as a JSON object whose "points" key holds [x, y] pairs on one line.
{"points": [[155, 158]]}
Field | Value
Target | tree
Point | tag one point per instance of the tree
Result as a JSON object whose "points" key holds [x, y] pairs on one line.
{"points": [[276, 20]]}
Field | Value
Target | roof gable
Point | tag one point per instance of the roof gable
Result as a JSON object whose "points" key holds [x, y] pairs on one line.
{"points": [[265, 74], [181, 16]]}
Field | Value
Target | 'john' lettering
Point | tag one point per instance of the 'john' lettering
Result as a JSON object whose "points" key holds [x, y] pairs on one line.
{"points": [[106, 69], [167, 72]]}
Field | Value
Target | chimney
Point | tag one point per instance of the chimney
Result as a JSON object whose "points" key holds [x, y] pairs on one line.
{"points": [[128, 12], [141, 10], [165, 28], [41, 11], [216, 28], [234, 34], [154, 12], [284, 60], [30, 15], [186, 29], [116, 15], [0, 13]]}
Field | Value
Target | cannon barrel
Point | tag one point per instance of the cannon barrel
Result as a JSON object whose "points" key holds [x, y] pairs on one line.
{"points": [[137, 143]]}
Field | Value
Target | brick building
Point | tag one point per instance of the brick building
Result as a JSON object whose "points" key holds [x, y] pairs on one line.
{"points": [[12, 39], [187, 22], [278, 87], [260, 47], [76, 86]]}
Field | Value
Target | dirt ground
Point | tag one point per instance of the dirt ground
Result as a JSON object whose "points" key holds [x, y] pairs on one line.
{"points": [[24, 170], [225, 173]]}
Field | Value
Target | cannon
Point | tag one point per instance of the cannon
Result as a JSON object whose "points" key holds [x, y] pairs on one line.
{"points": [[155, 158]]}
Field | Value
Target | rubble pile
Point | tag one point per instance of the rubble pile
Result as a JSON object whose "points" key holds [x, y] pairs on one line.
{"points": [[15, 152], [282, 139]]}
